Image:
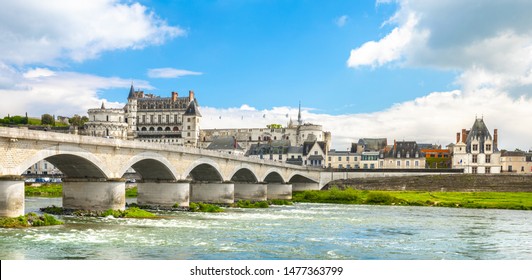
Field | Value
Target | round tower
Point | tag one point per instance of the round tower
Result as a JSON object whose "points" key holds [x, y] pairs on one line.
{"points": [[131, 114]]}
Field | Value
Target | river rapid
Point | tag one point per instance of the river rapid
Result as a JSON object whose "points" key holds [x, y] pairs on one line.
{"points": [[300, 231]]}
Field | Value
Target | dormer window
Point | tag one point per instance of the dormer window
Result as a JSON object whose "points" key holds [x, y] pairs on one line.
{"points": [[488, 147], [398, 155], [475, 147], [407, 155], [417, 154]]}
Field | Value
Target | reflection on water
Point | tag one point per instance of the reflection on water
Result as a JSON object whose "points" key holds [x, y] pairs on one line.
{"points": [[302, 231]]}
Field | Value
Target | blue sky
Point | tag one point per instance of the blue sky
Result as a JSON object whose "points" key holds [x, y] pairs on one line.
{"points": [[413, 70], [270, 53]]}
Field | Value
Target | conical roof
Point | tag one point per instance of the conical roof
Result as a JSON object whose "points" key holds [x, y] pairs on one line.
{"points": [[131, 93], [192, 109]]}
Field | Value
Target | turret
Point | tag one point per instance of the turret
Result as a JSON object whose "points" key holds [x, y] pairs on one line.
{"points": [[131, 114]]}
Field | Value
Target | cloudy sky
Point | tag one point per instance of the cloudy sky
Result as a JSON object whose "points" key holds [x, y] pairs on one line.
{"points": [[413, 70]]}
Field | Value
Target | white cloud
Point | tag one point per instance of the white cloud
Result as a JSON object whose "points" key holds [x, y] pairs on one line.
{"points": [[390, 48], [341, 21], [170, 73], [41, 90], [49, 32]]}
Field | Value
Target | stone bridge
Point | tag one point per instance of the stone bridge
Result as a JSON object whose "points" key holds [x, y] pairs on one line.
{"points": [[94, 168]]}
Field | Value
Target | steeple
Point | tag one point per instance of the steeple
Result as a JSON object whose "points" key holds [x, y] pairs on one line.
{"points": [[299, 121], [103, 106], [131, 92]]}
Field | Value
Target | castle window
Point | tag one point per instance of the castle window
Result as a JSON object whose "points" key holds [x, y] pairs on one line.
{"points": [[475, 147], [474, 170], [488, 147], [107, 117], [346, 158], [339, 158], [488, 158], [398, 163], [488, 170], [416, 163], [474, 159], [407, 163]]}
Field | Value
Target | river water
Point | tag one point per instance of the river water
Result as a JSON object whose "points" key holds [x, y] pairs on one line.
{"points": [[300, 231]]}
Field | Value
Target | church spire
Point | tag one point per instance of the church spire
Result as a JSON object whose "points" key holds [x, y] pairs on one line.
{"points": [[103, 106], [299, 121]]}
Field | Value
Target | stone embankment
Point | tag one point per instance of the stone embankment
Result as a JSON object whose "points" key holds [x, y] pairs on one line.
{"points": [[450, 183]]}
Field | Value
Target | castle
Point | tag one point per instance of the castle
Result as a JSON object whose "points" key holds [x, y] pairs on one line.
{"points": [[149, 118]]}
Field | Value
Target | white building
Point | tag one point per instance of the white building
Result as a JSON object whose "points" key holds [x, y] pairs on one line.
{"points": [[476, 150]]}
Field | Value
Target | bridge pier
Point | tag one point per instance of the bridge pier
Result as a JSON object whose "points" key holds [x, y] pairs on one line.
{"points": [[296, 187], [94, 195], [251, 191], [279, 191], [11, 196], [163, 193], [212, 192]]}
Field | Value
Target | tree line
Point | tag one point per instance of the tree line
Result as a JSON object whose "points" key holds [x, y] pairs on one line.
{"points": [[46, 119]]}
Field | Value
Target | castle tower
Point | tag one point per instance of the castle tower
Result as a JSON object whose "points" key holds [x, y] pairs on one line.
{"points": [[131, 114], [191, 122]]}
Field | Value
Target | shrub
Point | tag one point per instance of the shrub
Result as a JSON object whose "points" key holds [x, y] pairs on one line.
{"points": [[380, 198]]}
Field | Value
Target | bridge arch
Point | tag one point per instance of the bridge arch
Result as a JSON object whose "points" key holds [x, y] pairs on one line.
{"points": [[151, 166], [244, 174], [298, 178], [204, 169], [74, 162], [273, 175]]}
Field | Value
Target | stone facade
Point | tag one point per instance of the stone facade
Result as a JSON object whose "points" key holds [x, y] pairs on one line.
{"points": [[516, 162], [149, 118], [476, 151], [108, 123]]}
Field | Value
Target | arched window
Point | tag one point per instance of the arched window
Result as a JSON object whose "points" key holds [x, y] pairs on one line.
{"points": [[152, 129], [159, 129]]}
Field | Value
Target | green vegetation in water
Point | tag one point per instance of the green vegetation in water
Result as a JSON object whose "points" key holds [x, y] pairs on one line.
{"points": [[492, 200], [45, 190], [280, 202], [249, 204], [131, 192], [132, 212], [30, 220], [204, 207]]}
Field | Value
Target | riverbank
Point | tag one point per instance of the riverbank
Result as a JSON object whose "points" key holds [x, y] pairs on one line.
{"points": [[486, 200], [444, 183]]}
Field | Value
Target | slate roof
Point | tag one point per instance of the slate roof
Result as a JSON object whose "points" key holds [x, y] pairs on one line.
{"points": [[479, 132], [404, 148], [307, 146], [373, 144], [192, 109], [224, 143]]}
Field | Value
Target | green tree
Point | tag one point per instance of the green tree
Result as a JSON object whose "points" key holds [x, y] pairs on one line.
{"points": [[47, 119], [78, 121], [274, 126]]}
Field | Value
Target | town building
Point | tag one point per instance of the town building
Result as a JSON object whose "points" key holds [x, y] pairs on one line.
{"points": [[371, 152], [343, 159], [476, 151], [435, 156], [403, 155], [227, 145], [311, 153], [43, 168], [516, 162]]}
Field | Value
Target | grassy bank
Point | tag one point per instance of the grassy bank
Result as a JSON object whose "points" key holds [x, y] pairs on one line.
{"points": [[493, 200], [131, 212]]}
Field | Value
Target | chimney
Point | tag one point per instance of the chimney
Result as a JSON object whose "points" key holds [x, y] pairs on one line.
{"points": [[191, 95], [495, 137], [458, 137], [464, 135], [394, 145], [174, 96]]}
